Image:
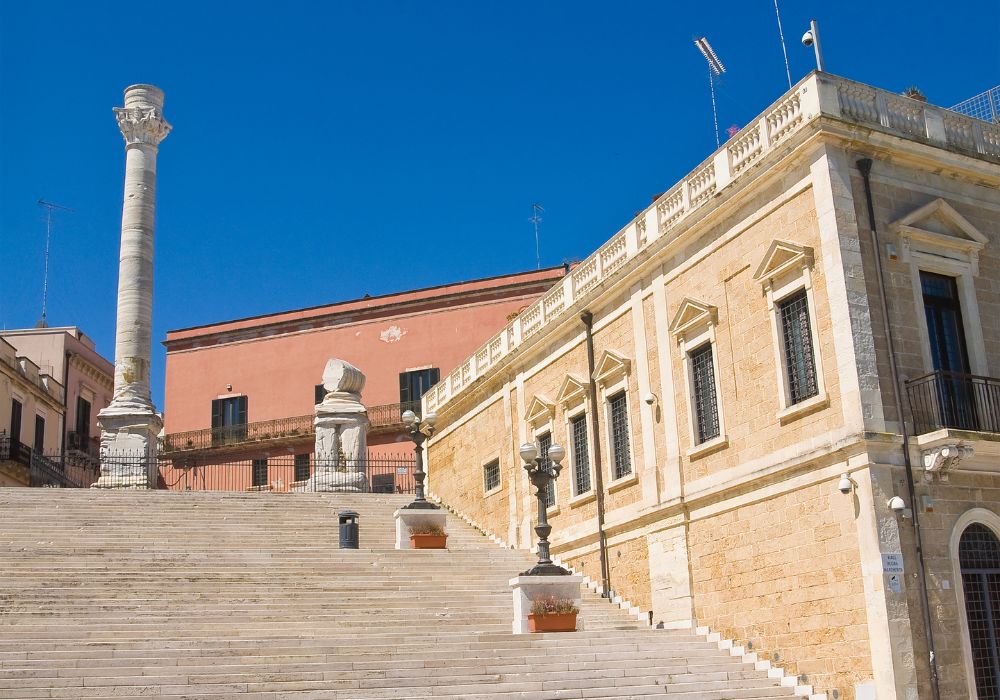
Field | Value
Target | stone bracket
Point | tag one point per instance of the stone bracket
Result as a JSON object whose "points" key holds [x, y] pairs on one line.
{"points": [[941, 459]]}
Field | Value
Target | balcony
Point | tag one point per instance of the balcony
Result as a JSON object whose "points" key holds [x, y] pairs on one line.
{"points": [[386, 418], [952, 400]]}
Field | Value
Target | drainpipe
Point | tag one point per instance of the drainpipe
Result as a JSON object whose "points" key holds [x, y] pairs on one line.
{"points": [[602, 538], [865, 166]]}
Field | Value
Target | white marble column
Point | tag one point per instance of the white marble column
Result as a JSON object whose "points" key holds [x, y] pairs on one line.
{"points": [[130, 424]]}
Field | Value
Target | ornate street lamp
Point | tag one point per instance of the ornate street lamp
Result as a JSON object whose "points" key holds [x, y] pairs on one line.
{"points": [[419, 431], [541, 476]]}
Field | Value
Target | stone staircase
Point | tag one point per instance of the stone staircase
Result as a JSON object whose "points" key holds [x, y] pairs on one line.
{"points": [[214, 595]]}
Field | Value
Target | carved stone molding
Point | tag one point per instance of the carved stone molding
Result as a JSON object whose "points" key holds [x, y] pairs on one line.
{"points": [[142, 125], [944, 458]]}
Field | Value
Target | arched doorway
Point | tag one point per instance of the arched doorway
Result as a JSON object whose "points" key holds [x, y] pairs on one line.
{"points": [[979, 558]]}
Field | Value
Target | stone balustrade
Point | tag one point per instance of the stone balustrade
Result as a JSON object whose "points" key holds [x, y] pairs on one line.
{"points": [[817, 95]]}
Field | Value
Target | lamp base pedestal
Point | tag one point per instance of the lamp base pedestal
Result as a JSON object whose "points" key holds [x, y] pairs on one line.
{"points": [[528, 589]]}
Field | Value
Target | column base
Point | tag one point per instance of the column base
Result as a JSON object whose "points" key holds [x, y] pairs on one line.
{"points": [[128, 448], [528, 589]]}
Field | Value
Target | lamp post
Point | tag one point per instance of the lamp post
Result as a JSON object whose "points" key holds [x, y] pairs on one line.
{"points": [[419, 431], [541, 476]]}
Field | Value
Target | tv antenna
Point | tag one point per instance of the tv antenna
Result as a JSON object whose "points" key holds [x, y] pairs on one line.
{"points": [[715, 68], [49, 207], [537, 209], [781, 36]]}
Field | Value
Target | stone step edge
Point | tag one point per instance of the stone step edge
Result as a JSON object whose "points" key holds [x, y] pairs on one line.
{"points": [[775, 672]]}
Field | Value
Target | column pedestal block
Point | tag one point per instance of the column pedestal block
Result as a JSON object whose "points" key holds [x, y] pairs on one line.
{"points": [[528, 589], [405, 519]]}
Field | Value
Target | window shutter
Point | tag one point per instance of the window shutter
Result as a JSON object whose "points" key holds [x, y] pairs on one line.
{"points": [[435, 376], [216, 413], [241, 410], [404, 387]]}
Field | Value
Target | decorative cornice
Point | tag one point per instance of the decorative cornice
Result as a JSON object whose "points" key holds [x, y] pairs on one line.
{"points": [[782, 257], [142, 125], [539, 411], [610, 366]]}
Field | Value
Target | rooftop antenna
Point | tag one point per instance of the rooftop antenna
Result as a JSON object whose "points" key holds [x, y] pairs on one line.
{"points": [[537, 209], [715, 68], [781, 36], [49, 207]]}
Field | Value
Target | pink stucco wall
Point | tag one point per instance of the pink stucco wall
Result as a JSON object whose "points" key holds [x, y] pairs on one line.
{"points": [[382, 336]]}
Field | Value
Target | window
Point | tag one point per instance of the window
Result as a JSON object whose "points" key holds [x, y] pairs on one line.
{"points": [[544, 443], [796, 333], [319, 393], [39, 434], [259, 472], [302, 467], [83, 419], [414, 384], [491, 476], [229, 420], [944, 322], [620, 452], [979, 559], [706, 406], [581, 457], [15, 421]]}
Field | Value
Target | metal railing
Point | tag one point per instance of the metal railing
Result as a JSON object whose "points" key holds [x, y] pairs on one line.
{"points": [[382, 418], [14, 450], [954, 400]]}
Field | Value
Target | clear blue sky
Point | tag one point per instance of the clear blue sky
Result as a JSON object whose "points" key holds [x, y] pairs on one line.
{"points": [[322, 151]]}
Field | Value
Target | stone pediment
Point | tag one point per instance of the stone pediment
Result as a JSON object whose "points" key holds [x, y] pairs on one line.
{"points": [[782, 257], [573, 391], [692, 314], [611, 366], [936, 228], [539, 410]]}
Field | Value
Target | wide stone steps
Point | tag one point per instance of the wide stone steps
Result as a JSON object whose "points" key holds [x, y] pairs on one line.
{"points": [[212, 595]]}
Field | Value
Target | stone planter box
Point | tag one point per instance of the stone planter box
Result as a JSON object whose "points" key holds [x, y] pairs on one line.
{"points": [[428, 541], [557, 622], [527, 589], [407, 519]]}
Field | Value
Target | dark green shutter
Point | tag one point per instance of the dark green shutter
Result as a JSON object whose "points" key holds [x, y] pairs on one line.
{"points": [[404, 387], [241, 410], [216, 413]]}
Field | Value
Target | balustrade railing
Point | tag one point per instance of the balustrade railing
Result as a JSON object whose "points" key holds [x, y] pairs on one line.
{"points": [[380, 418], [954, 400]]}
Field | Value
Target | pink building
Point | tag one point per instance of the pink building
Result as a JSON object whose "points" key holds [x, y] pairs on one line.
{"points": [[245, 390]]}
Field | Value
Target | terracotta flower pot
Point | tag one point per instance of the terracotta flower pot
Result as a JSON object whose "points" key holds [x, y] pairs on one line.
{"points": [[428, 541], [555, 622]]}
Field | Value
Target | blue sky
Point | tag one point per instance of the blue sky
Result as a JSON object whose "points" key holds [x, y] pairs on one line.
{"points": [[322, 151]]}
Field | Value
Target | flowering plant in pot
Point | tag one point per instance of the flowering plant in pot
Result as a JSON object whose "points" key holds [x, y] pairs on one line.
{"points": [[427, 537], [551, 614]]}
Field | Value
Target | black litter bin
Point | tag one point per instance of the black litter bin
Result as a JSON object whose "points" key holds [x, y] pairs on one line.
{"points": [[348, 529]]}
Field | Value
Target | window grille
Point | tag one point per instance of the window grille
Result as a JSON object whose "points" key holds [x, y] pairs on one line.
{"points": [[706, 406], [544, 443], [301, 467], [581, 458], [619, 435], [259, 475], [800, 364], [979, 557], [491, 475]]}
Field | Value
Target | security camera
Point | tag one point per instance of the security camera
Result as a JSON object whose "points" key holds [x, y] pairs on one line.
{"points": [[650, 399], [844, 485], [807, 39], [896, 504]]}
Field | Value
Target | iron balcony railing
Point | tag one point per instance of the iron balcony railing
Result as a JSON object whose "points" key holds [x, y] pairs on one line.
{"points": [[14, 450], [954, 400], [384, 418]]}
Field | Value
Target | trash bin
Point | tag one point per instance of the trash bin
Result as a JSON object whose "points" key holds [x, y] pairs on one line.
{"points": [[348, 529]]}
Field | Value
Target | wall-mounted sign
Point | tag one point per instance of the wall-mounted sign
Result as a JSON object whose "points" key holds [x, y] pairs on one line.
{"points": [[892, 562]]}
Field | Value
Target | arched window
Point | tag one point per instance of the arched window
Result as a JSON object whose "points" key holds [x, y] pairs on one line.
{"points": [[979, 558]]}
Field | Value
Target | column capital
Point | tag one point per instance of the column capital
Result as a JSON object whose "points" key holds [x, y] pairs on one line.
{"points": [[142, 125]]}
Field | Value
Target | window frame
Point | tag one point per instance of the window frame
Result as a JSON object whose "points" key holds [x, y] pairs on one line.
{"points": [[254, 465], [689, 343], [792, 283], [579, 413], [296, 465], [611, 392], [499, 485]]}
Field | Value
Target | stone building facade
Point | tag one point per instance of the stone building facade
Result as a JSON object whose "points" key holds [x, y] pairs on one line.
{"points": [[733, 449]]}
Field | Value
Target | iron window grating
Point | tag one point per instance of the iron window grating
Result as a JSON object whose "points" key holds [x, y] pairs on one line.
{"points": [[619, 435], [800, 361], [706, 406], [979, 557], [581, 457], [544, 443], [491, 475]]}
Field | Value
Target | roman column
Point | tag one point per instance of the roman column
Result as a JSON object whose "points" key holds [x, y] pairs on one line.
{"points": [[130, 424]]}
